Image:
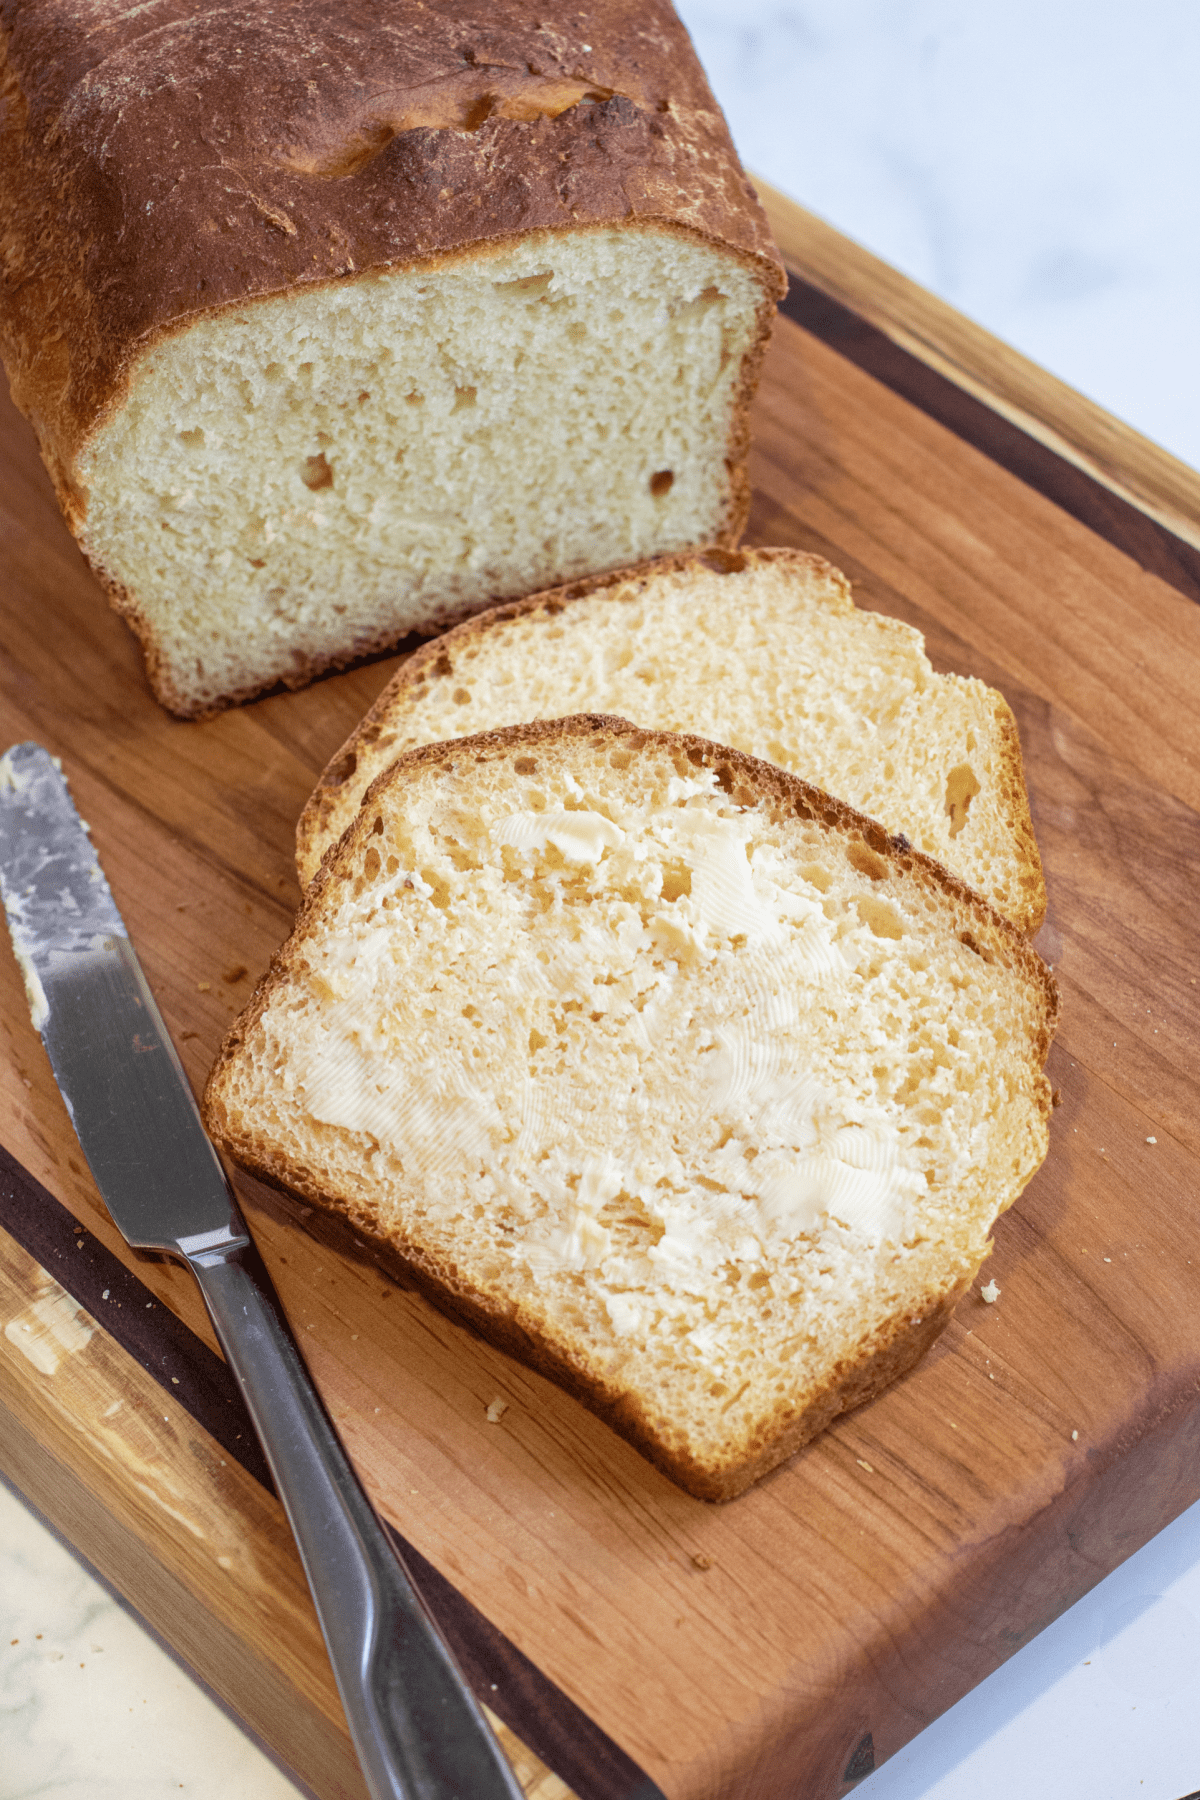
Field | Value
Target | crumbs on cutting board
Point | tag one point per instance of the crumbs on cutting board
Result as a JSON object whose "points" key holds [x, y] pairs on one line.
{"points": [[496, 1410]]}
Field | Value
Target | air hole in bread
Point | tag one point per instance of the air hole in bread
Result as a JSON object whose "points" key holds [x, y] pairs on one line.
{"points": [[868, 862], [377, 827], [443, 665], [193, 439], [461, 696], [463, 397], [709, 296], [526, 765], [620, 759], [528, 287], [879, 917], [724, 562], [372, 863], [662, 483], [961, 788], [676, 883], [316, 472], [342, 770]]}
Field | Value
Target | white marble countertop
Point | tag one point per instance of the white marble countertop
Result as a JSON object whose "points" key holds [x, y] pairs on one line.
{"points": [[1036, 166]]}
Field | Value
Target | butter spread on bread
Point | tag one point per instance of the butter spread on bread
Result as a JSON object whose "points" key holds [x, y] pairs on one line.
{"points": [[671, 1074]]}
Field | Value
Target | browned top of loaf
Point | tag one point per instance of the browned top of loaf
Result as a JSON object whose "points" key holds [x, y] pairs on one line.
{"points": [[161, 161]]}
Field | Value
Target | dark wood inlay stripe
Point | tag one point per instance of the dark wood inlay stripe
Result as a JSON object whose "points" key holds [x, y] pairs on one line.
{"points": [[1121, 524], [166, 1348], [543, 1717]]}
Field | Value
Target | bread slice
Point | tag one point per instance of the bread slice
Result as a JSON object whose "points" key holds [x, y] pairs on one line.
{"points": [[761, 649], [317, 364], [672, 1075]]}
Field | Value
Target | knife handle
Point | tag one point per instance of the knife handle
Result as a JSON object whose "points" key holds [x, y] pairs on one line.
{"points": [[416, 1726]]}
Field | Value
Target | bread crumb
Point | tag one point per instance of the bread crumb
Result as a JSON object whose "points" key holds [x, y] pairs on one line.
{"points": [[497, 1410], [203, 987], [990, 1293], [1152, 1140], [1074, 1437], [864, 1465], [702, 1562]]}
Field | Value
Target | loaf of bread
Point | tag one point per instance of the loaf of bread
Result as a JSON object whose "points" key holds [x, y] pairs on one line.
{"points": [[339, 319], [761, 649], [672, 1075]]}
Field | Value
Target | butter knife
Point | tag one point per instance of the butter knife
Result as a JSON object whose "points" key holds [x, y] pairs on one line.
{"points": [[417, 1729]]}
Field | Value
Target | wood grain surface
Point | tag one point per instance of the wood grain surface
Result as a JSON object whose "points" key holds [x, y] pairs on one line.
{"points": [[790, 1641]]}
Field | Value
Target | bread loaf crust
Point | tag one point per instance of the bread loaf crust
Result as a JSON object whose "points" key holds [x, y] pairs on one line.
{"points": [[169, 161]]}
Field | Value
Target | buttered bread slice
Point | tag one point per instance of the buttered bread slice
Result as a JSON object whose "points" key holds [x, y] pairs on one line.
{"points": [[675, 1077], [761, 649]]}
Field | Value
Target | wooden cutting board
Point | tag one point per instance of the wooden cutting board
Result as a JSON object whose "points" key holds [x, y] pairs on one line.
{"points": [[630, 1636]]}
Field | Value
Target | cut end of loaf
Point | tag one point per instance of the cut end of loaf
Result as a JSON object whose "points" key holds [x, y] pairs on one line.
{"points": [[312, 477], [673, 1075]]}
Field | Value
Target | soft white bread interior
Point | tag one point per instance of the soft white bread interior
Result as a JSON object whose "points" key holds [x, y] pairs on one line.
{"points": [[761, 649], [306, 478], [671, 1074]]}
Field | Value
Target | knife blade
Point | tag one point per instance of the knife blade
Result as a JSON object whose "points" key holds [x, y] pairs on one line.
{"points": [[416, 1727]]}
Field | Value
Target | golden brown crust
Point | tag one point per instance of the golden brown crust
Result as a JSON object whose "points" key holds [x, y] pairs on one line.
{"points": [[895, 1346], [163, 162]]}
